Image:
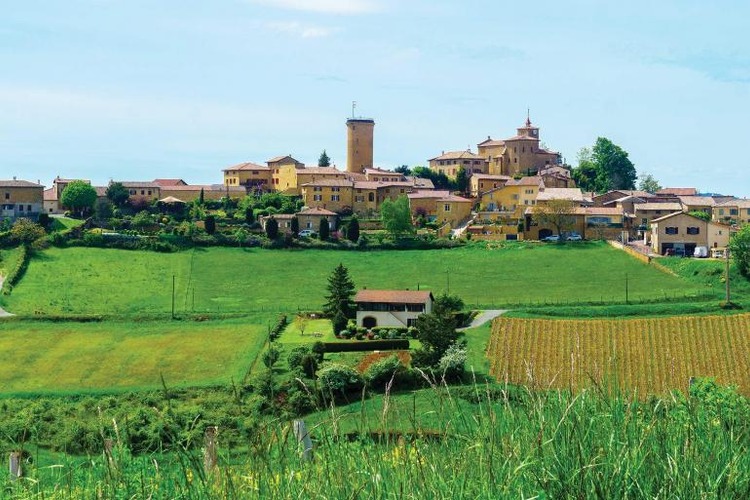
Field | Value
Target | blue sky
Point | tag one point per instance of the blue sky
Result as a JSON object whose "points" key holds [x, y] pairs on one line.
{"points": [[136, 89]]}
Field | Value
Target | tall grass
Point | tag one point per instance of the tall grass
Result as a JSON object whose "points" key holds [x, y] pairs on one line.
{"points": [[506, 443]]}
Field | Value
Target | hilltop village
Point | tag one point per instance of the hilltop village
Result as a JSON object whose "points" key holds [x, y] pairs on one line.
{"points": [[497, 191]]}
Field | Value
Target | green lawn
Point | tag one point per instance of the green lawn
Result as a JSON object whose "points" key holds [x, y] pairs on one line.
{"points": [[96, 281], [63, 223], [46, 357]]}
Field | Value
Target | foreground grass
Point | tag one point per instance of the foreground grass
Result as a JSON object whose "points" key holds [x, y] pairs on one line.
{"points": [[483, 443], [219, 280], [46, 357]]}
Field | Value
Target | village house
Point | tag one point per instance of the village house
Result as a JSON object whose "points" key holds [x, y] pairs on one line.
{"points": [[732, 212], [481, 183], [252, 176], [679, 233], [451, 162], [21, 199], [311, 218], [511, 199], [644, 213], [590, 222], [439, 206], [391, 308]]}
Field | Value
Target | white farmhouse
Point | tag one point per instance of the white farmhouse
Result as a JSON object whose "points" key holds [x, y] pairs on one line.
{"points": [[391, 308]]}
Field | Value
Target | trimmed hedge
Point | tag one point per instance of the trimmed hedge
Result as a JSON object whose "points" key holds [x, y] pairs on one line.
{"points": [[367, 345], [16, 273]]}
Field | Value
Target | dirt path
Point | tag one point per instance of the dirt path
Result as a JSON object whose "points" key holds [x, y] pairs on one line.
{"points": [[483, 317], [3, 312]]}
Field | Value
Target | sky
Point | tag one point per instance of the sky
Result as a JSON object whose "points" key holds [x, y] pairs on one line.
{"points": [[142, 89]]}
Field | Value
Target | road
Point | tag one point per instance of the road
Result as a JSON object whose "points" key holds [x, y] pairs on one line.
{"points": [[483, 317]]}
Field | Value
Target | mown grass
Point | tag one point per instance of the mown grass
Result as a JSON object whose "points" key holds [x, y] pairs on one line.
{"points": [[46, 357], [63, 223], [219, 280]]}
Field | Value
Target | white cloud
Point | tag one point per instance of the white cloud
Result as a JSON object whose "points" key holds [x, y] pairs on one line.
{"points": [[325, 6], [299, 29]]}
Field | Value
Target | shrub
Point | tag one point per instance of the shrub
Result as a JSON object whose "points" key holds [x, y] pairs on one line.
{"points": [[380, 373], [271, 356], [451, 365], [294, 359], [339, 379]]}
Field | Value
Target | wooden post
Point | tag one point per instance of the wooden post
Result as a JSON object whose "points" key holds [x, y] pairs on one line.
{"points": [[303, 437], [209, 451], [14, 462]]}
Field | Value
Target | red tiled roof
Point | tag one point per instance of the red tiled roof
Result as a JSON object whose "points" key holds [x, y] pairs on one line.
{"points": [[170, 182], [316, 211], [17, 183], [458, 155], [678, 191], [50, 194], [246, 166], [676, 206], [329, 182], [525, 181], [393, 296], [320, 171], [492, 177]]}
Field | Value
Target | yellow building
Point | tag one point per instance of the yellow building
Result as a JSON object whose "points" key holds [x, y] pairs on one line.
{"points": [[679, 233], [512, 199], [142, 193], [451, 162], [520, 154], [440, 206], [249, 175], [359, 144], [644, 213], [331, 194], [732, 212], [481, 183], [21, 199]]}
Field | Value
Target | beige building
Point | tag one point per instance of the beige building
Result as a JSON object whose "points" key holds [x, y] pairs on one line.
{"points": [[359, 144], [644, 213], [451, 162], [732, 212], [592, 223], [249, 175], [518, 155], [21, 199], [441, 207], [679, 233], [391, 308], [481, 183], [512, 199], [310, 218]]}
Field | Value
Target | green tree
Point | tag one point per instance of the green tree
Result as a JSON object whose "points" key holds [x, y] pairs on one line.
{"points": [[324, 231], [324, 160], [447, 302], [201, 198], [649, 184], [103, 210], [437, 332], [79, 196], [142, 220], [439, 179], [556, 213], [339, 306], [739, 250], [701, 215], [403, 169], [25, 232], [462, 180], [294, 226], [271, 356], [604, 167], [272, 228], [118, 194], [241, 236], [210, 224], [352, 230], [396, 217], [585, 173]]}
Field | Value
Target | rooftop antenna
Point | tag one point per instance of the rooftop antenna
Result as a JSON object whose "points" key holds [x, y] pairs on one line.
{"points": [[354, 105]]}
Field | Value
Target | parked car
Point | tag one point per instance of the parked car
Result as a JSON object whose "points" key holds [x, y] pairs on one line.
{"points": [[552, 237], [700, 252], [574, 237], [306, 233]]}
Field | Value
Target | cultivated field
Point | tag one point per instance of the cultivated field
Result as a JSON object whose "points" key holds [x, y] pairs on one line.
{"points": [[60, 357], [652, 355], [219, 280]]}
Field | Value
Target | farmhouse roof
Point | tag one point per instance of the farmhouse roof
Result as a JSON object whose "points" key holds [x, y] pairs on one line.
{"points": [[572, 194], [739, 203], [17, 183], [320, 171], [329, 182], [170, 182], [678, 191], [673, 206], [316, 211], [246, 166], [526, 181], [393, 296], [697, 200], [491, 177], [139, 184], [675, 214], [458, 155]]}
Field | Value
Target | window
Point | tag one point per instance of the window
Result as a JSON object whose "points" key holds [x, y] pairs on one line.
{"points": [[255, 172], [7, 196], [370, 197], [447, 207], [515, 160], [149, 192], [335, 197], [335, 189], [132, 191], [693, 230], [402, 190], [359, 199], [670, 230], [20, 208], [317, 188], [732, 211], [28, 208], [515, 196], [529, 191], [317, 197]]}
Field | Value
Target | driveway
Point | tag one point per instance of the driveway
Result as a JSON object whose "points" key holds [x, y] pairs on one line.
{"points": [[483, 317]]}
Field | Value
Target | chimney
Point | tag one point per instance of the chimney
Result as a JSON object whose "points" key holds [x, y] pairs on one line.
{"points": [[14, 177]]}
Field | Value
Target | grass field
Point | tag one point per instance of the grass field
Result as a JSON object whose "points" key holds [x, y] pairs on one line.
{"points": [[218, 280], [650, 356], [45, 357]]}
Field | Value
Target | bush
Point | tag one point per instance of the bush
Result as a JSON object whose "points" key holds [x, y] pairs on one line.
{"points": [[451, 365], [380, 373], [340, 379], [294, 359]]}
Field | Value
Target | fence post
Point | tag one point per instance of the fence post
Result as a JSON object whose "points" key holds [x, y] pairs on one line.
{"points": [[14, 462], [209, 450], [300, 432]]}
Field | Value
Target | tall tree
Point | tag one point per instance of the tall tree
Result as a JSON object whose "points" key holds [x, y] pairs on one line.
{"points": [[739, 250], [436, 332], [352, 230], [396, 217], [649, 184], [324, 231], [118, 194], [604, 167], [272, 228], [339, 306], [462, 180], [585, 173], [210, 224], [556, 213], [78, 196], [294, 226], [403, 169], [324, 160]]}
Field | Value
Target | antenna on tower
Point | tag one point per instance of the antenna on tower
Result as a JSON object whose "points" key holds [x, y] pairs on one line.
{"points": [[354, 105]]}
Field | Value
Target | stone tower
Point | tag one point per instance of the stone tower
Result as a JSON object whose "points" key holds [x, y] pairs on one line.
{"points": [[359, 134]]}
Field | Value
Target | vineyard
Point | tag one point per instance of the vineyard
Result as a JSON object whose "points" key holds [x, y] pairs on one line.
{"points": [[650, 355]]}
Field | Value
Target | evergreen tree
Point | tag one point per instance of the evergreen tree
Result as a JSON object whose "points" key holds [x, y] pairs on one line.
{"points": [[272, 228], [339, 306], [462, 180], [324, 160], [294, 226], [210, 224], [437, 332], [201, 198], [118, 194], [352, 230], [325, 229]]}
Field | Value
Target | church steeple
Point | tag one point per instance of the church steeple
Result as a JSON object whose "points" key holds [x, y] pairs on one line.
{"points": [[528, 130]]}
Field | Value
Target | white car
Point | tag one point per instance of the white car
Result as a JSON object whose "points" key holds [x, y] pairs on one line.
{"points": [[553, 237], [306, 233], [574, 237]]}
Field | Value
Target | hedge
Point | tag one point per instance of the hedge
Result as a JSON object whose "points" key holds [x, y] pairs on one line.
{"points": [[16, 273], [367, 345]]}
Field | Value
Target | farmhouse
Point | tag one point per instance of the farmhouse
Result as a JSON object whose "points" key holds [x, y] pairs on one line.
{"points": [[21, 199], [396, 308], [680, 233]]}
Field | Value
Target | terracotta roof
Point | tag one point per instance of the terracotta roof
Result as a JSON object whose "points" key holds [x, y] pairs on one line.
{"points": [[246, 166], [625, 198], [170, 182], [491, 142], [417, 195], [678, 191], [697, 200], [525, 181], [50, 194], [279, 158], [492, 177], [587, 211], [206, 187], [521, 138], [739, 203], [673, 214], [675, 206], [420, 182], [316, 211], [458, 155], [138, 184], [380, 171], [393, 296], [572, 194], [279, 216], [330, 182], [320, 171], [17, 183]]}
